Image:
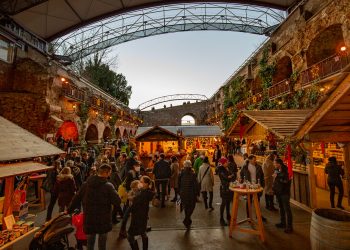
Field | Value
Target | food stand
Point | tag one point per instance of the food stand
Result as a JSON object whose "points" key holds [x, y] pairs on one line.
{"points": [[18, 149]]}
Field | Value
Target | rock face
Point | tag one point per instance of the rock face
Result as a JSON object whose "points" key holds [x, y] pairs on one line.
{"points": [[172, 116], [32, 96]]}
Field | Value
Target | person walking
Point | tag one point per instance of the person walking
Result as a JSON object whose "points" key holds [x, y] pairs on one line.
{"points": [[139, 213], [49, 185], [225, 192], [217, 155], [281, 188], [334, 179], [198, 162], [64, 188], [174, 179], [97, 196], [206, 182], [232, 167], [252, 172], [162, 174], [269, 169], [75, 172], [188, 188]]}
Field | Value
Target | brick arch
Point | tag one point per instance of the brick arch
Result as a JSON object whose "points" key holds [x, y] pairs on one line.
{"points": [[325, 44], [107, 133], [284, 69], [91, 135]]}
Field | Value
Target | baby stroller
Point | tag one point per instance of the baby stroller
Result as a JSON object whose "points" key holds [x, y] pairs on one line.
{"points": [[53, 235]]}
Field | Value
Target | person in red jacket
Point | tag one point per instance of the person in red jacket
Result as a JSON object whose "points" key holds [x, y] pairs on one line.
{"points": [[80, 236]]}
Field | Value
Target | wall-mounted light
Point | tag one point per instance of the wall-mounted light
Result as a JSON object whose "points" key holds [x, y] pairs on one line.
{"points": [[280, 102], [74, 106], [343, 48], [96, 112], [322, 89], [63, 79]]}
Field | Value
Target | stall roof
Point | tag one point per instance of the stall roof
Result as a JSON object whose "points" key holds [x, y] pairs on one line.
{"points": [[18, 143], [283, 123], [13, 169], [156, 133], [330, 122], [188, 131]]}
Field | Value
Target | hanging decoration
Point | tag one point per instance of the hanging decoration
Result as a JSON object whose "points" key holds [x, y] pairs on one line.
{"points": [[288, 160], [323, 149]]}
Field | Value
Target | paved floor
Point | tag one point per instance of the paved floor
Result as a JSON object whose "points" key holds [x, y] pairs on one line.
{"points": [[168, 232]]}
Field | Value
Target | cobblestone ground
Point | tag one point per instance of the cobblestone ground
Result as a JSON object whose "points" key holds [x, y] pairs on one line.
{"points": [[168, 232]]}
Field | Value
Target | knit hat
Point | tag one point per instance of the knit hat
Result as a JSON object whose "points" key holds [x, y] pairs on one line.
{"points": [[223, 161]]}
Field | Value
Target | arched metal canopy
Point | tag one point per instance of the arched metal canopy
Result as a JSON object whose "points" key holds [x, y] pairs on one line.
{"points": [[167, 19], [50, 19], [169, 98]]}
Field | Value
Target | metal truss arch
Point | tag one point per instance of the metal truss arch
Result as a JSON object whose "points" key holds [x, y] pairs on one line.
{"points": [[168, 19], [169, 98]]}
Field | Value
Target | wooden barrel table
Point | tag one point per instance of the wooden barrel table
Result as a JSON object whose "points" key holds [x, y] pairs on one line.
{"points": [[330, 229]]}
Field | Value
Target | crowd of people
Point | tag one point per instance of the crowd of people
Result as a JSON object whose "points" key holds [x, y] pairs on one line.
{"points": [[97, 186]]}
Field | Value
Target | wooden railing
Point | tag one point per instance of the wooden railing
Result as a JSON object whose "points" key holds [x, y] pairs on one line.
{"points": [[323, 69], [251, 100], [279, 89], [73, 92]]}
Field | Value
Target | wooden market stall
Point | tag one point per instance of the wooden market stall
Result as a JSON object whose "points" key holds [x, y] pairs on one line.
{"points": [[283, 124], [327, 133], [17, 149], [156, 140]]}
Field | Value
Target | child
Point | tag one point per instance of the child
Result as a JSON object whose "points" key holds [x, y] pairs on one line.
{"points": [[77, 221], [131, 195], [139, 213], [64, 188]]}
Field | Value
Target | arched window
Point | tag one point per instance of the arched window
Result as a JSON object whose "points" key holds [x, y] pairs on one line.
{"points": [[188, 120], [91, 135]]}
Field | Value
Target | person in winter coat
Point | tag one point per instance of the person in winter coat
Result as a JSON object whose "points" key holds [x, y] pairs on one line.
{"points": [[188, 188], [64, 188], [49, 185], [174, 179], [225, 192], [198, 162], [139, 213], [97, 196], [232, 167], [162, 174], [252, 172], [206, 181], [281, 188], [217, 155], [335, 173], [269, 169], [76, 173]]}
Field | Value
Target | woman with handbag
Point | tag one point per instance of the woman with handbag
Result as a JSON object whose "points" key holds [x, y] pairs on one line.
{"points": [[206, 183]]}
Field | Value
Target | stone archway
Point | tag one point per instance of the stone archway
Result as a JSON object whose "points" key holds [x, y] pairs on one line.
{"points": [[107, 133], [125, 134], [325, 44], [284, 69], [188, 120], [118, 134], [91, 135], [68, 130]]}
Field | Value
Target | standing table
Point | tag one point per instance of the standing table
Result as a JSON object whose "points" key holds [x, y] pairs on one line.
{"points": [[257, 227]]}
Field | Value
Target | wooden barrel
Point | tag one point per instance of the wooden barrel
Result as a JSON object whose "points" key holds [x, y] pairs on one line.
{"points": [[330, 229]]}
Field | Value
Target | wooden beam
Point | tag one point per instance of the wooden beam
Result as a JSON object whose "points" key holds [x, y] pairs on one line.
{"points": [[339, 115], [329, 136], [311, 177], [342, 106], [337, 94], [331, 128]]}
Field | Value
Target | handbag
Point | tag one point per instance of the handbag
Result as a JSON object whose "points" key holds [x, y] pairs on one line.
{"points": [[122, 192], [200, 183]]}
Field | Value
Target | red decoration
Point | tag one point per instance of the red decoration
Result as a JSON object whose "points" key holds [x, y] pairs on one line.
{"points": [[69, 131], [288, 160], [323, 149], [197, 144]]}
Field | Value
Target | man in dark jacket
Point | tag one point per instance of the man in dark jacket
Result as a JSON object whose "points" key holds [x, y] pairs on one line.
{"points": [[162, 174], [188, 186], [253, 172], [335, 172], [97, 195], [281, 188]]}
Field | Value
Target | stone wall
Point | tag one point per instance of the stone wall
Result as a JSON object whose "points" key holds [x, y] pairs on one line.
{"points": [[172, 116]]}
